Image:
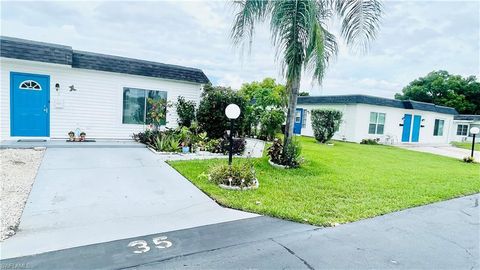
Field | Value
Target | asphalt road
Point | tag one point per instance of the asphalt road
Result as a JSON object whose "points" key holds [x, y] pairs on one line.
{"points": [[443, 235]]}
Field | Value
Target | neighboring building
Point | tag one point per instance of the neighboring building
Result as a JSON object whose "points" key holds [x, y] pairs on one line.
{"points": [[389, 120], [48, 90], [462, 125]]}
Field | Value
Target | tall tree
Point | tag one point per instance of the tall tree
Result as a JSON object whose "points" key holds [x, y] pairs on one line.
{"points": [[301, 38], [443, 88]]}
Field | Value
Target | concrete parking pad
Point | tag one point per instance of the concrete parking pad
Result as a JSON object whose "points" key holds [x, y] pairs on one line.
{"points": [[443, 150], [83, 196]]}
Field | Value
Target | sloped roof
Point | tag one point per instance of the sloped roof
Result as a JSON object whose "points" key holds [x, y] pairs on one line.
{"points": [[467, 117], [58, 54], [379, 101]]}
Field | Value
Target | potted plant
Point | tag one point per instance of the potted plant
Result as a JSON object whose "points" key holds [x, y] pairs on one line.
{"points": [[185, 139], [71, 136], [82, 136]]}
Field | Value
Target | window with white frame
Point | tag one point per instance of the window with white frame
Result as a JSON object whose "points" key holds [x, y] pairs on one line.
{"points": [[438, 127], [304, 120], [135, 105], [462, 130], [377, 123]]}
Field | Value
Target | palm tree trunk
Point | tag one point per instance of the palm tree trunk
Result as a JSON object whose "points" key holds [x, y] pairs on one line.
{"points": [[293, 86]]}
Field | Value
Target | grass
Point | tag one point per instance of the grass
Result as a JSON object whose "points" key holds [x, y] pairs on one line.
{"points": [[343, 183], [466, 145]]}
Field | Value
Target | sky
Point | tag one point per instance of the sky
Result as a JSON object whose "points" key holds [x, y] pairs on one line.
{"points": [[415, 38]]}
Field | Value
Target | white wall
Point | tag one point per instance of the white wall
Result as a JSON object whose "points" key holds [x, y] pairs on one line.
{"points": [[356, 119], [96, 107], [347, 126], [458, 138]]}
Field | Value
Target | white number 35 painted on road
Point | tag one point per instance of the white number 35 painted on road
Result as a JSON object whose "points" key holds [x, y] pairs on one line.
{"points": [[141, 246]]}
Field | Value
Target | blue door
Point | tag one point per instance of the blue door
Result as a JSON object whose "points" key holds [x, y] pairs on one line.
{"points": [[29, 105], [297, 127], [407, 124], [417, 119]]}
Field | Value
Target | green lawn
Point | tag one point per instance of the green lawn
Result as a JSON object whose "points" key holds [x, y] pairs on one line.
{"points": [[343, 183], [467, 145]]}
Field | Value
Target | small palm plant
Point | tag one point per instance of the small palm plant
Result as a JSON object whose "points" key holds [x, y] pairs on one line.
{"points": [[300, 35]]}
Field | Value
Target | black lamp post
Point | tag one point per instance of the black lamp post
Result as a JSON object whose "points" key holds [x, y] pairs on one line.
{"points": [[232, 111], [474, 131]]}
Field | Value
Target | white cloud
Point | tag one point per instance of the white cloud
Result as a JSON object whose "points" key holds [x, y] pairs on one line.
{"points": [[416, 37]]}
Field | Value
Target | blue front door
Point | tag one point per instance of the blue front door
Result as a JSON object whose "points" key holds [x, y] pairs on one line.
{"points": [[417, 119], [297, 127], [29, 105], [407, 125]]}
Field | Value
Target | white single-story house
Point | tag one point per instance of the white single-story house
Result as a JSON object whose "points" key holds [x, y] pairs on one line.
{"points": [[463, 123], [48, 90], [390, 121]]}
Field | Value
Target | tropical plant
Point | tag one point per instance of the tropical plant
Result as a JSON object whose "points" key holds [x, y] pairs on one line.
{"points": [[185, 111], [275, 151], [185, 136], [157, 112], [300, 35], [287, 156], [325, 123]]}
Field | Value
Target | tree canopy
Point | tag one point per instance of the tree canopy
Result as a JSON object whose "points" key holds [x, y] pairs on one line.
{"points": [[442, 88]]}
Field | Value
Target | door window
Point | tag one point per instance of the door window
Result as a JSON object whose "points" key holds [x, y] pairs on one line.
{"points": [[298, 116]]}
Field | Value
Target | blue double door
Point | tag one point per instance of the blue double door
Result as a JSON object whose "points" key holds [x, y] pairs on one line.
{"points": [[411, 128], [29, 105]]}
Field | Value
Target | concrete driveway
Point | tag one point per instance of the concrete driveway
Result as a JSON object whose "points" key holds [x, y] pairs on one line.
{"points": [[443, 150], [83, 196]]}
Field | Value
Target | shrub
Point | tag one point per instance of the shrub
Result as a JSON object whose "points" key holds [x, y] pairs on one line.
{"points": [[291, 154], [238, 145], [370, 141], [271, 122], [241, 173], [468, 159], [325, 123], [213, 146], [290, 157], [148, 137], [211, 111], [185, 111], [275, 151]]}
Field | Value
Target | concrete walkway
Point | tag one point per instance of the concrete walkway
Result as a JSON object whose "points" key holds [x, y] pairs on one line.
{"points": [[442, 150], [442, 235], [83, 196]]}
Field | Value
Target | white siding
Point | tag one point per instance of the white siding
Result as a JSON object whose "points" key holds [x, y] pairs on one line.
{"points": [[459, 138], [356, 119], [96, 106]]}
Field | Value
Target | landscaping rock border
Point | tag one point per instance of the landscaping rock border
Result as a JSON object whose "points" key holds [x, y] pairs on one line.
{"points": [[278, 166], [240, 188]]}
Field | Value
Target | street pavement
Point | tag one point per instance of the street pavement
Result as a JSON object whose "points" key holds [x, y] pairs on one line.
{"points": [[442, 235]]}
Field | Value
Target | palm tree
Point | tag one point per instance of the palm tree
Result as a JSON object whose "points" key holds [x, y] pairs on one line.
{"points": [[299, 33]]}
